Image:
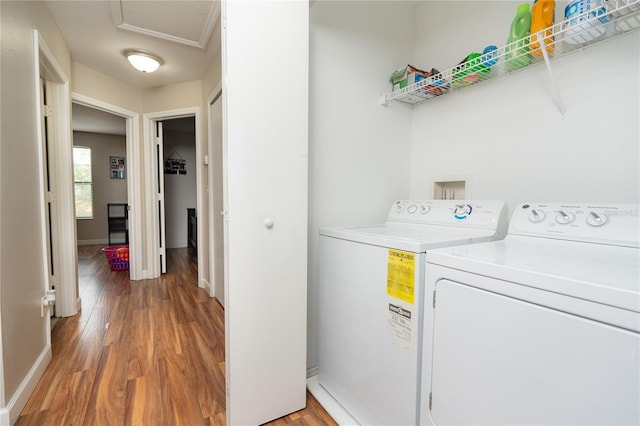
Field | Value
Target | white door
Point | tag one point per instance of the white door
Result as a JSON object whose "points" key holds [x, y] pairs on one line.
{"points": [[162, 250], [265, 124]]}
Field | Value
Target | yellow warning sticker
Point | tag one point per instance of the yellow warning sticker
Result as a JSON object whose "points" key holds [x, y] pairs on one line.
{"points": [[400, 275]]}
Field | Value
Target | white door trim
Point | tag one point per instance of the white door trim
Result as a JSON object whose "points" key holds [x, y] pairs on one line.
{"points": [[214, 184], [151, 178], [62, 172], [134, 178]]}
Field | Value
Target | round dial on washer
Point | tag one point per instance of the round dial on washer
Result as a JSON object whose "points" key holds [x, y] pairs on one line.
{"points": [[536, 215], [412, 208], [595, 219], [462, 211], [424, 209], [565, 218]]}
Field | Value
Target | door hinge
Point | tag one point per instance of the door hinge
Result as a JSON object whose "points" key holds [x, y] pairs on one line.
{"points": [[51, 197], [430, 400], [434, 299], [47, 111]]}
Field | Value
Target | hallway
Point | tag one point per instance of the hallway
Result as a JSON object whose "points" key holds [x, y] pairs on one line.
{"points": [[144, 352]]}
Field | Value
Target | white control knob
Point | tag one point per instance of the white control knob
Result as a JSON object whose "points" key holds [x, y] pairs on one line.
{"points": [[399, 207], [564, 218], [424, 209], [536, 215], [268, 223], [412, 209], [462, 211], [595, 219]]}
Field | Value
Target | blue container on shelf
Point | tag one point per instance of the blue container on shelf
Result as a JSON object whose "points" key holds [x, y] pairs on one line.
{"points": [[580, 23]]}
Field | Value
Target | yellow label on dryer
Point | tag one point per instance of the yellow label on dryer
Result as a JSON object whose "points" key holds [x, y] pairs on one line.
{"points": [[401, 275]]}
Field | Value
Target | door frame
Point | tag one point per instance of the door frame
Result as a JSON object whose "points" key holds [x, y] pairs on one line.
{"points": [[216, 189], [151, 178], [61, 168], [134, 177]]}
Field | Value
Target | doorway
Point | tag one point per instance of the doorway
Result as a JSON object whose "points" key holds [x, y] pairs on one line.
{"points": [[180, 185], [100, 184], [154, 164]]}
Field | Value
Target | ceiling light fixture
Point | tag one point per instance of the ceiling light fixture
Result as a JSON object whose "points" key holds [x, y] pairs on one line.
{"points": [[143, 61]]}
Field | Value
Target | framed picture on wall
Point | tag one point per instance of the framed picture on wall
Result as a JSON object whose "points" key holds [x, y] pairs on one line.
{"points": [[117, 167]]}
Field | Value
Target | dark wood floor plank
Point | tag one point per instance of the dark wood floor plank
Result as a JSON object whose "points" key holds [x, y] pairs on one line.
{"points": [[144, 402], [179, 398], [106, 404], [70, 403], [208, 381]]}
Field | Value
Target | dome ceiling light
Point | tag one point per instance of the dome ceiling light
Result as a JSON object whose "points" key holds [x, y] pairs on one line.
{"points": [[143, 61]]}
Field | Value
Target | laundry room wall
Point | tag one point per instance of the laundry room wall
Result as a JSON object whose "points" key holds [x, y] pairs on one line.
{"points": [[507, 136], [359, 150]]}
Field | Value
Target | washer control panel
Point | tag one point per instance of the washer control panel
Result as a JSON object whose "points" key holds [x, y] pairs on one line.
{"points": [[606, 223], [478, 214]]}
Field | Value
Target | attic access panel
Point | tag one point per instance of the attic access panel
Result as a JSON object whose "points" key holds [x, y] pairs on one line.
{"points": [[185, 22]]}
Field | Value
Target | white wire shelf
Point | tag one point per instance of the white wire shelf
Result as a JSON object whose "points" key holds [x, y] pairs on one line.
{"points": [[617, 17]]}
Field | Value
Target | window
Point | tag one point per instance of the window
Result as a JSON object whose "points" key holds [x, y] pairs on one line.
{"points": [[83, 183]]}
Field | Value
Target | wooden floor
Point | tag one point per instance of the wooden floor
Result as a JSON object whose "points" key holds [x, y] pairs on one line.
{"points": [[147, 352]]}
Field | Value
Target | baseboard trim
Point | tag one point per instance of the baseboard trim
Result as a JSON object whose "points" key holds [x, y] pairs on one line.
{"points": [[312, 371], [207, 286], [331, 406], [177, 244], [10, 413], [93, 242]]}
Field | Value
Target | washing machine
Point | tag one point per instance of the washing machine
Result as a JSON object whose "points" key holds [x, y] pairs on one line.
{"points": [[370, 302], [542, 327]]}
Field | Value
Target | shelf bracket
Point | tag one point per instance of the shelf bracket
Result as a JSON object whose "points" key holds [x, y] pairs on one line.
{"points": [[554, 85]]}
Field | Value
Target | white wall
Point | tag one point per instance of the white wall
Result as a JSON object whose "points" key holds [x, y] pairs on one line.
{"points": [[359, 151], [105, 189], [22, 280], [180, 190], [509, 137]]}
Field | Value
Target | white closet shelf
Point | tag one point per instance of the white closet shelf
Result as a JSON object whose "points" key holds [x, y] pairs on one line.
{"points": [[617, 17]]}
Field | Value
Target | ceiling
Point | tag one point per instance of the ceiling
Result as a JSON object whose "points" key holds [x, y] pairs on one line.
{"points": [[184, 33]]}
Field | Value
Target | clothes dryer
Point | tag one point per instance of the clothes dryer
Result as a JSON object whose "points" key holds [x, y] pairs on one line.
{"points": [[370, 302], [542, 327]]}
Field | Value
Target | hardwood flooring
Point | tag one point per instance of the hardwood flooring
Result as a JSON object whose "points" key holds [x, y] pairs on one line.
{"points": [[147, 352]]}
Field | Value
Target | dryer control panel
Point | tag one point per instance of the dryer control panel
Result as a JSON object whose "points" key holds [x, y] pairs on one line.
{"points": [[474, 214], [604, 223]]}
